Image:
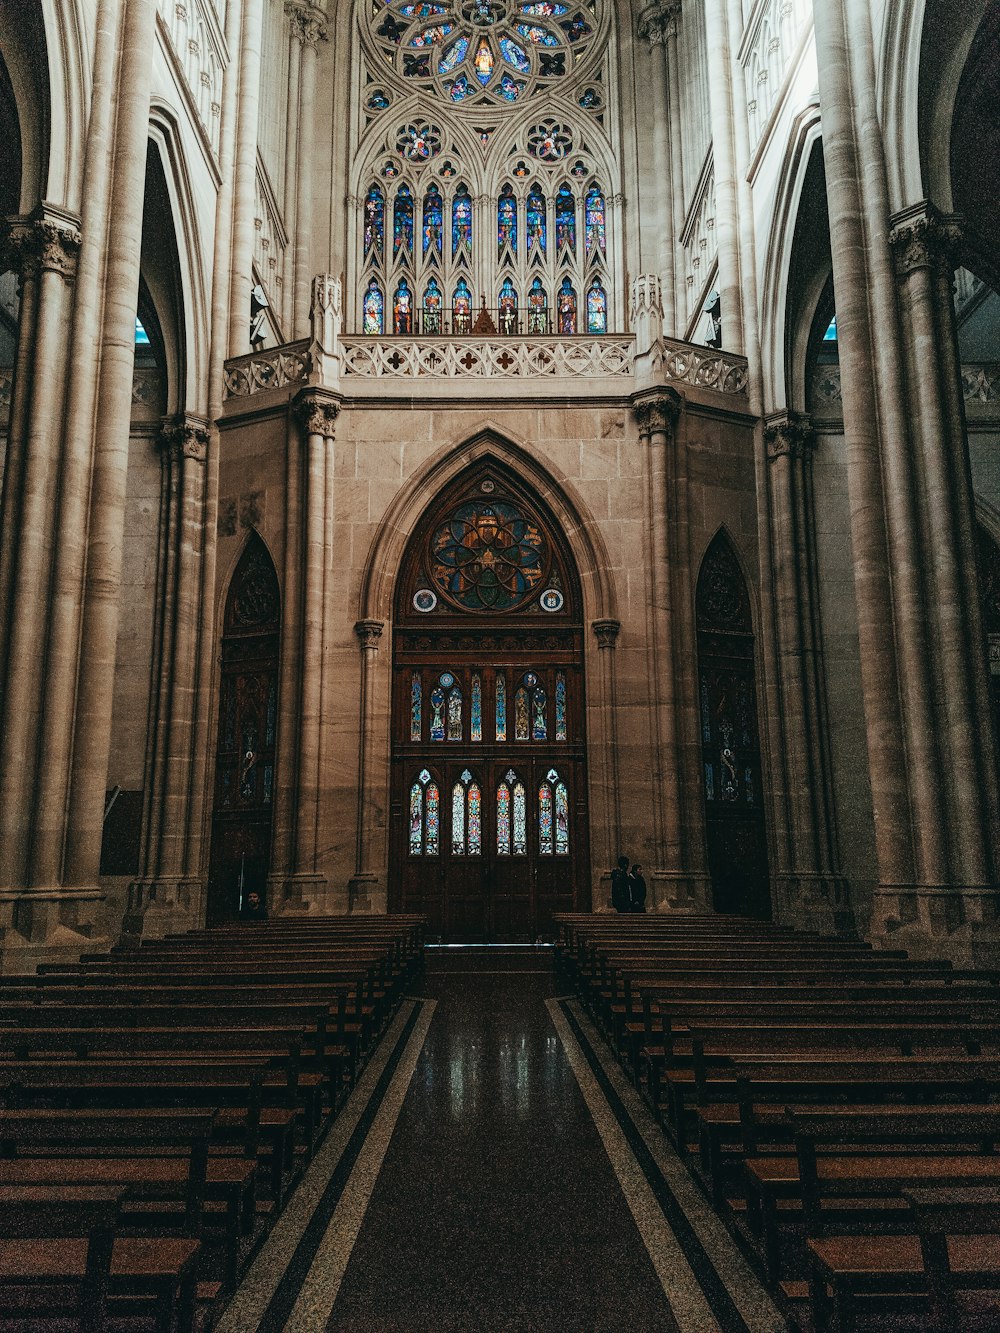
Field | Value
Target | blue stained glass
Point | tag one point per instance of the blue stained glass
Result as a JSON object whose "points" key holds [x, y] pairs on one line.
{"points": [[433, 220], [562, 820], [537, 36], [402, 310], [520, 820], [477, 708], [501, 708], [597, 308], [416, 819], [378, 101], [545, 819], [433, 840], [455, 714], [374, 222], [484, 62], [437, 714], [577, 27], [475, 821], [402, 222], [590, 99], [421, 11], [461, 223], [538, 308], [503, 820], [561, 728], [460, 89], [374, 310], [458, 819], [507, 219], [565, 219], [543, 9], [416, 702], [462, 308], [510, 89], [595, 222], [454, 55], [507, 308], [433, 306], [567, 308], [515, 55], [537, 222], [431, 36], [538, 725]]}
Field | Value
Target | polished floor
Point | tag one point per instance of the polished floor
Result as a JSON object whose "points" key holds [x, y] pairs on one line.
{"points": [[493, 1171]]}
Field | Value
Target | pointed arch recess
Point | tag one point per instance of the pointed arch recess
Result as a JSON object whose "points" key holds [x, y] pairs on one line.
{"points": [[553, 489]]}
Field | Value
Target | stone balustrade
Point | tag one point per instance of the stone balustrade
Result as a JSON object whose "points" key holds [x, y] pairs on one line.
{"points": [[275, 368]]}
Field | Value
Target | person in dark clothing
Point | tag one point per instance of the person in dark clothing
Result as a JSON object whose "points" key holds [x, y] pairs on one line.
{"points": [[253, 907], [620, 898], [637, 888]]}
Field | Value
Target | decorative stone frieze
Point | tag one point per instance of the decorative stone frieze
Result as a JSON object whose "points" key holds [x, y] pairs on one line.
{"points": [[317, 414], [788, 435], [607, 632], [369, 633], [185, 436], [658, 410], [488, 358], [274, 368], [922, 237]]}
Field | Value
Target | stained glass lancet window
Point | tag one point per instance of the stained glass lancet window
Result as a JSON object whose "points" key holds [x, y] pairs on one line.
{"points": [[374, 223], [562, 820], [597, 308], [416, 819], [458, 819], [561, 726], [416, 704], [538, 308], [536, 222], [437, 713], [507, 304], [433, 306], [433, 222], [567, 308], [507, 221], [520, 820], [566, 220], [374, 310], [475, 820], [402, 222], [545, 840], [595, 222], [425, 816], [539, 701], [521, 725], [477, 708], [461, 223], [433, 818], [462, 308], [455, 713], [501, 706], [503, 820], [402, 310]]}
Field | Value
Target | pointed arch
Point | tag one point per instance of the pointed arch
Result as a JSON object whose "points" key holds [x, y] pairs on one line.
{"points": [[569, 511]]}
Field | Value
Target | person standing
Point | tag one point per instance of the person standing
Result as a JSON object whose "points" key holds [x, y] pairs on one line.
{"points": [[621, 899], [637, 889]]}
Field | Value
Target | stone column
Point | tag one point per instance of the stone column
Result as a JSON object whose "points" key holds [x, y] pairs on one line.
{"points": [[316, 413], [309, 27], [652, 23], [724, 158], [102, 587], [46, 245], [293, 9], [245, 178], [671, 23], [812, 893], [606, 632], [365, 878], [679, 879]]}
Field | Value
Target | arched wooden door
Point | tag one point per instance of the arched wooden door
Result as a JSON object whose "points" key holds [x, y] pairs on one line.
{"points": [[730, 738], [489, 791], [248, 716]]}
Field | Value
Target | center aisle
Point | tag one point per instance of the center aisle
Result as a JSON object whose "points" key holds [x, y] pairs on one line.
{"points": [[497, 1206]]}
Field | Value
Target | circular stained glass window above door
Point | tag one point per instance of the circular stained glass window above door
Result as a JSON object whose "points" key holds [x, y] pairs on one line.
{"points": [[496, 52], [489, 556]]}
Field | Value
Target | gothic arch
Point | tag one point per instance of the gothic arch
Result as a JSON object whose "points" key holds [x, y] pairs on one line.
{"points": [[724, 535], [69, 90], [400, 520], [25, 53], [225, 583]]}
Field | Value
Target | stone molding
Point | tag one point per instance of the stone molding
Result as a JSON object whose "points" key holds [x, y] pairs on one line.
{"points": [[658, 411], [607, 632], [788, 435], [488, 358], [922, 237], [185, 436], [43, 242], [659, 22], [369, 633], [317, 414]]}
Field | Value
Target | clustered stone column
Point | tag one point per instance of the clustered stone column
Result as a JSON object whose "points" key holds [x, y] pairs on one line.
{"points": [[365, 878], [658, 26], [718, 39], [605, 740], [245, 176], [679, 878], [931, 756], [309, 28], [812, 893]]}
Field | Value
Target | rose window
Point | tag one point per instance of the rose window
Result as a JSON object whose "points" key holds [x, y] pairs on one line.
{"points": [[489, 557], [496, 52]]}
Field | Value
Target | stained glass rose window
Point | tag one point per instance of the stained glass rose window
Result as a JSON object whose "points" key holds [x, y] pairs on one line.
{"points": [[489, 556]]}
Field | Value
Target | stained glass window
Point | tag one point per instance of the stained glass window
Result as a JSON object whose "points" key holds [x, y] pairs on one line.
{"points": [[477, 708], [462, 308], [433, 840], [437, 713], [455, 714], [461, 223], [402, 310], [597, 308], [538, 720], [433, 221], [488, 556], [536, 222], [374, 311], [503, 820], [561, 728], [501, 706], [508, 308], [562, 820], [374, 223], [458, 819], [545, 842], [475, 821], [402, 222], [433, 306], [521, 715], [538, 308], [416, 819], [507, 220], [567, 308], [595, 222], [566, 220], [416, 701], [520, 820]]}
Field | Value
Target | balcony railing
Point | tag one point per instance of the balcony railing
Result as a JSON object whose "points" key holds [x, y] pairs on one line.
{"points": [[487, 322]]}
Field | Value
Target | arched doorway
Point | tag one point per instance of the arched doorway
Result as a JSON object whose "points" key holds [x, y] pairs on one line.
{"points": [[489, 792], [730, 737], [248, 715]]}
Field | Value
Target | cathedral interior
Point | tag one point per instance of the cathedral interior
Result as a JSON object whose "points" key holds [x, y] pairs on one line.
{"points": [[499, 666]]}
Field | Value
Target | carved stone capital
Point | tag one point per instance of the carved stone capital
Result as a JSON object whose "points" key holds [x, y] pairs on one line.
{"points": [[307, 22], [788, 435], [43, 242], [922, 237], [607, 632], [659, 21], [658, 411], [185, 436], [317, 414], [369, 632]]}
